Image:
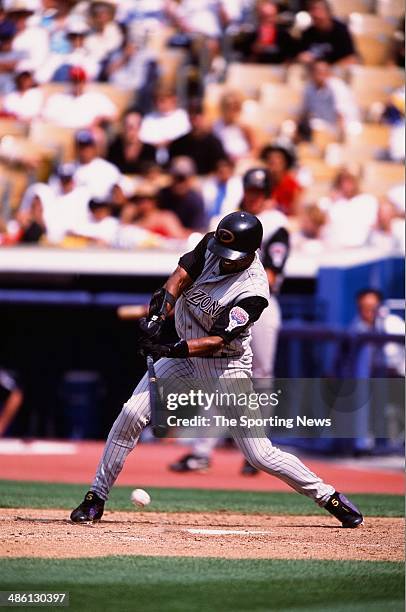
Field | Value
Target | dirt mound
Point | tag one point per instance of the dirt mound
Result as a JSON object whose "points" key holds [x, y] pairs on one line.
{"points": [[49, 533]]}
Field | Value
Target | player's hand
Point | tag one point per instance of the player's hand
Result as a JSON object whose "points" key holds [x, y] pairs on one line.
{"points": [[151, 327], [179, 349]]}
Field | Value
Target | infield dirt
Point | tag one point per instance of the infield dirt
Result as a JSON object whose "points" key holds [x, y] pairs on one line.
{"points": [[50, 534]]}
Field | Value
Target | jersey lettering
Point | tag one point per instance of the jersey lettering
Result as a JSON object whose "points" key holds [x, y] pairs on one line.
{"points": [[204, 302]]}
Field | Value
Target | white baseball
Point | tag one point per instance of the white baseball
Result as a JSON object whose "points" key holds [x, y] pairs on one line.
{"points": [[139, 497]]}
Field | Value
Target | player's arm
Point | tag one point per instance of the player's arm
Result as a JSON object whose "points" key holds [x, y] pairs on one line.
{"points": [[275, 252], [190, 266], [230, 324]]}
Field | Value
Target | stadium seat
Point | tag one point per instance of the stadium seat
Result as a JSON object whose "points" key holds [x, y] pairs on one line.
{"points": [[212, 95], [59, 138], [379, 176], [373, 49], [248, 77], [370, 24], [374, 84], [343, 8], [12, 127], [394, 9], [14, 182]]}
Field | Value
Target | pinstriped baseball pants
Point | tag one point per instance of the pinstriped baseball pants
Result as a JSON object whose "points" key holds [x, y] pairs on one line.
{"points": [[259, 450]]}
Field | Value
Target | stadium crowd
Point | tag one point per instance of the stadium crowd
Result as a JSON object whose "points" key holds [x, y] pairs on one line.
{"points": [[130, 124]]}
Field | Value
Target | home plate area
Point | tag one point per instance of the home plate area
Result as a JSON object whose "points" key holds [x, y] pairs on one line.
{"points": [[50, 534]]}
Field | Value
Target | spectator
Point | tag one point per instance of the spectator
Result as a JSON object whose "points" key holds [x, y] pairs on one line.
{"points": [[308, 237], [144, 212], [78, 108], [35, 213], [351, 214], [101, 228], [70, 205], [270, 42], [30, 40], [328, 104], [105, 36], [200, 144], [57, 66], [9, 58], [181, 198], [389, 231], [165, 124], [394, 115], [236, 137], [96, 174], [55, 23], [127, 152], [326, 39], [25, 103], [134, 67], [11, 399], [222, 192], [285, 189]]}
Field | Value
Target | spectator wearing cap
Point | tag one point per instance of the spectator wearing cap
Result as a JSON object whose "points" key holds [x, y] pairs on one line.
{"points": [[351, 214], [285, 189], [57, 66], [25, 103], [105, 36], [236, 137], [143, 210], [181, 198], [101, 228], [93, 172], [79, 108], [127, 152], [328, 104], [327, 38], [30, 40], [200, 144]]}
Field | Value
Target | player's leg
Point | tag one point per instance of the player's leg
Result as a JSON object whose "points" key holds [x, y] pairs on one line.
{"points": [[124, 435], [263, 455]]}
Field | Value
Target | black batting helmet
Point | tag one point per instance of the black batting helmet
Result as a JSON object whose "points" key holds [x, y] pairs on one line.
{"points": [[237, 235], [257, 178]]}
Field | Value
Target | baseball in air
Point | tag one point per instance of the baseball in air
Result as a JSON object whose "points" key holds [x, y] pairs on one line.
{"points": [[139, 497]]}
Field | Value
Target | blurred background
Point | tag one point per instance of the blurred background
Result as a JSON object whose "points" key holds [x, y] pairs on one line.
{"points": [[125, 130]]}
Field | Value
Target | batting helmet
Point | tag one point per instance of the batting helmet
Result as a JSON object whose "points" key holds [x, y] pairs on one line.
{"points": [[257, 178], [237, 235]]}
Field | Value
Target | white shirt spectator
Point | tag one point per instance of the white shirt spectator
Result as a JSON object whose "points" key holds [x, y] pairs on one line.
{"points": [[105, 230], [24, 105], [34, 43], [233, 139], [77, 112], [101, 44], [99, 177], [350, 221], [396, 195], [164, 127], [78, 57], [68, 212], [231, 192]]}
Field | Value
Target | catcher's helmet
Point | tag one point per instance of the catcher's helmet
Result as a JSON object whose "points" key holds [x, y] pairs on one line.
{"points": [[257, 178], [237, 235]]}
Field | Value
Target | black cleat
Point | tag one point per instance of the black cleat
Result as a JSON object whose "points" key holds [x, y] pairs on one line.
{"points": [[190, 463], [344, 511], [90, 510], [248, 469]]}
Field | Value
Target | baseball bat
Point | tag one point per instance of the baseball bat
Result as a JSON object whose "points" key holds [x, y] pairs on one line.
{"points": [[159, 430]]}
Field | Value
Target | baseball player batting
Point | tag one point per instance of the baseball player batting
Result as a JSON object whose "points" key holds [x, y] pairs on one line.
{"points": [[273, 253], [218, 291]]}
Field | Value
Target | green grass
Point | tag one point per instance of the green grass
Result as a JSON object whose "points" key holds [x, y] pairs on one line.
{"points": [[179, 584], [15, 494]]}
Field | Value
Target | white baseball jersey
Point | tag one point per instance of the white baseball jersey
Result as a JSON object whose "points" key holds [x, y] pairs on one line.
{"points": [[211, 293]]}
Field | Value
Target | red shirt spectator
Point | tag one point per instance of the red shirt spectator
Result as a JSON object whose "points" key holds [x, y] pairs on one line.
{"points": [[285, 189]]}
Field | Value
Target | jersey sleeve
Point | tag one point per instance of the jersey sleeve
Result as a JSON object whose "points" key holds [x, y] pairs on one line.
{"points": [[236, 318], [275, 251], [193, 261]]}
